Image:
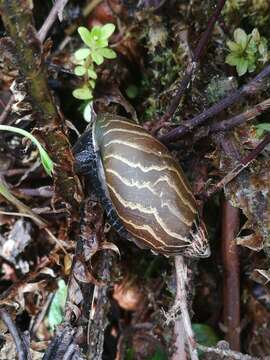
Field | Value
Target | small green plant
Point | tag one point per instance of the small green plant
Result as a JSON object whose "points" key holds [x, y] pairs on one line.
{"points": [[57, 307], [44, 157], [86, 58], [262, 128], [247, 51]]}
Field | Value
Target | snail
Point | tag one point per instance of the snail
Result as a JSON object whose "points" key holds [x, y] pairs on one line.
{"points": [[142, 189]]}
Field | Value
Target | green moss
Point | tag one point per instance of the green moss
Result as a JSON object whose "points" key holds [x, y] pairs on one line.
{"points": [[250, 13]]}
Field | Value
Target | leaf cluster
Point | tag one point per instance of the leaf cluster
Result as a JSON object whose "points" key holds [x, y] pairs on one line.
{"points": [[247, 51], [96, 50]]}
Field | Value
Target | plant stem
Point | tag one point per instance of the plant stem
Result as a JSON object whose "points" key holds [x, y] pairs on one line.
{"points": [[27, 57], [198, 53], [22, 132], [181, 303], [56, 11], [227, 353], [45, 159], [251, 88], [22, 351], [234, 121], [231, 278], [244, 163], [4, 191]]}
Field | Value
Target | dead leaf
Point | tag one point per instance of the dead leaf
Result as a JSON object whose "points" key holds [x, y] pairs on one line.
{"points": [[250, 192], [17, 240]]}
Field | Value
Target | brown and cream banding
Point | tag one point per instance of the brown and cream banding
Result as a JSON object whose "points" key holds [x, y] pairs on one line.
{"points": [[148, 189]]}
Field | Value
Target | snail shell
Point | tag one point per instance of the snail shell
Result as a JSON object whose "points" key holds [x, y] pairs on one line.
{"points": [[145, 188]]}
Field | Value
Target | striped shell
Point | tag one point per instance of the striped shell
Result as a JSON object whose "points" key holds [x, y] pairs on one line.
{"points": [[147, 188]]}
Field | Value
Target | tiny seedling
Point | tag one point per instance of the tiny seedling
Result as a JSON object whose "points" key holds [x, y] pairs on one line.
{"points": [[247, 51], [88, 57], [44, 157]]}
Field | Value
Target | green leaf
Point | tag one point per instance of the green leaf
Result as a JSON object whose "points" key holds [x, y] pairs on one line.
{"points": [[232, 59], [242, 66], [46, 161], [251, 47], [263, 50], [107, 53], [96, 33], [129, 355], [233, 46], [85, 35], [263, 126], [251, 67], [132, 91], [240, 37], [56, 311], [97, 58], [159, 355], [82, 54], [44, 156], [79, 70], [256, 35], [92, 74], [92, 83], [107, 30], [259, 132], [101, 43], [87, 112], [83, 93], [96, 40], [205, 335]]}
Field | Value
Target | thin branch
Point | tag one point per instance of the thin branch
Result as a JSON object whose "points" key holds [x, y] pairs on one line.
{"points": [[179, 332], [26, 55], [22, 352], [181, 303], [6, 110], [90, 7], [24, 209], [231, 278], [232, 122], [251, 88], [64, 346], [226, 353], [198, 53], [56, 11], [245, 162], [237, 120]]}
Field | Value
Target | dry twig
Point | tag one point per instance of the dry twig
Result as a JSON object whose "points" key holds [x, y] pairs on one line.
{"points": [[26, 55], [237, 120], [251, 88], [6, 110], [22, 351], [48, 23], [198, 53], [56, 11], [228, 353], [244, 163], [181, 304], [231, 277]]}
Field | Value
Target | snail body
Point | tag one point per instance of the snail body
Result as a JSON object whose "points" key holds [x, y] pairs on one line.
{"points": [[142, 188]]}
